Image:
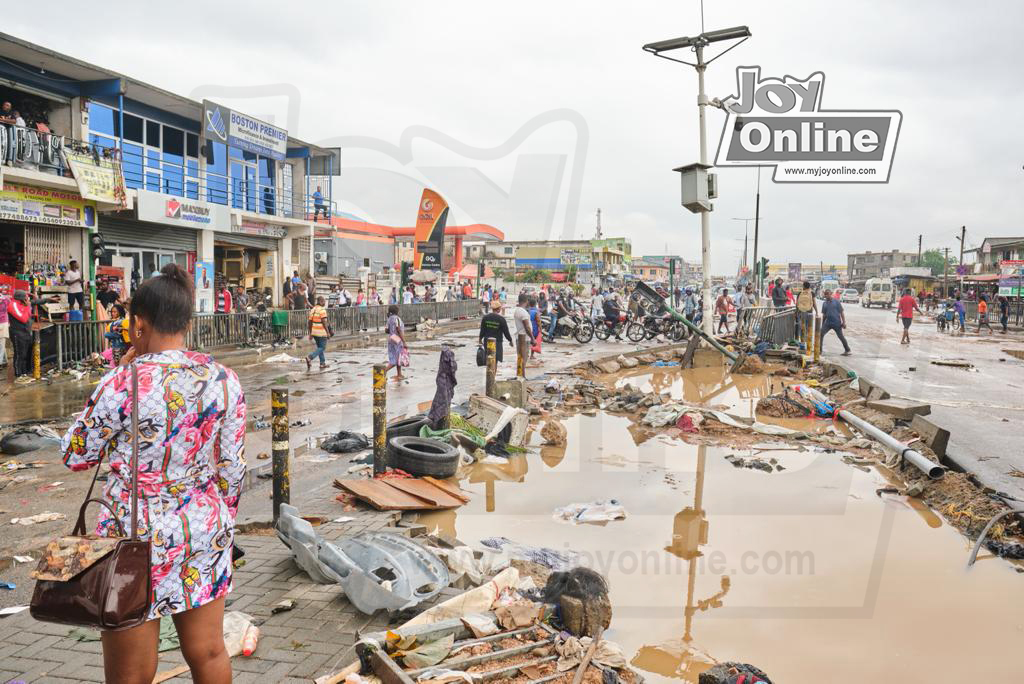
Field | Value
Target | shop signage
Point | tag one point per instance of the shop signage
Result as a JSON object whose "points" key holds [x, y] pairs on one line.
{"points": [[98, 178], [177, 211], [253, 228], [244, 132], [30, 204], [430, 224]]}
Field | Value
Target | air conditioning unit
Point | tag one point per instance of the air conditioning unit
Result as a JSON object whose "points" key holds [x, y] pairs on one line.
{"points": [[320, 257]]}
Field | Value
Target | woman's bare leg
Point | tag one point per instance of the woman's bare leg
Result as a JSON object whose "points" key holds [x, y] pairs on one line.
{"points": [[201, 631], [129, 655]]}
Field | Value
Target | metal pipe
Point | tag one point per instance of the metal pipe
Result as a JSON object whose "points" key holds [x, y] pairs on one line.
{"points": [[280, 448], [984, 533], [929, 468], [380, 412]]}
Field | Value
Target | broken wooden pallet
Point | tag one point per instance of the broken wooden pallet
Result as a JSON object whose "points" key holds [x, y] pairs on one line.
{"points": [[405, 494]]}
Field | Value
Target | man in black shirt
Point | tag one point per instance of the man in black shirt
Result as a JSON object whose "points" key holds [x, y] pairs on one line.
{"points": [[494, 325], [779, 298], [106, 295]]}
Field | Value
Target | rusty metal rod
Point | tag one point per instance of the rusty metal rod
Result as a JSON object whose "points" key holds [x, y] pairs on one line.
{"points": [[280, 449]]}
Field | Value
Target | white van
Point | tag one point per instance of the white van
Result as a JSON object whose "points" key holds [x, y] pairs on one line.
{"points": [[878, 292]]}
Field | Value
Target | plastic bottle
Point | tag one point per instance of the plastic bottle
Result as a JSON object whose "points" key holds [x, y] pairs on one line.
{"points": [[249, 641]]}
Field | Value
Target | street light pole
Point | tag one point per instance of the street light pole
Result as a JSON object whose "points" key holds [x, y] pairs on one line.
{"points": [[705, 216]]}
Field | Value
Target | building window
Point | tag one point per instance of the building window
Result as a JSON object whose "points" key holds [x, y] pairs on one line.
{"points": [[153, 134], [133, 128]]}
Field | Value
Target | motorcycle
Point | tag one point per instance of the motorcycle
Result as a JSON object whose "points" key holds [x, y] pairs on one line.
{"points": [[572, 325], [651, 326], [944, 320]]}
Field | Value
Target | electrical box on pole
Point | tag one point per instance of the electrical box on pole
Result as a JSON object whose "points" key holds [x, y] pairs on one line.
{"points": [[698, 187]]}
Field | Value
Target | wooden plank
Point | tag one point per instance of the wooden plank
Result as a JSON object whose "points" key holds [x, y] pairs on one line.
{"points": [[386, 668], [449, 488], [384, 497], [426, 491]]}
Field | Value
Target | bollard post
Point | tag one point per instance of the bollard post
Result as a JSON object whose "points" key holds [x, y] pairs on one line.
{"points": [[522, 349], [380, 413], [37, 364], [280, 449], [817, 338], [492, 366]]}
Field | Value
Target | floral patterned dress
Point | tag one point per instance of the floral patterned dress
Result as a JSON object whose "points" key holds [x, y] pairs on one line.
{"points": [[191, 464]]}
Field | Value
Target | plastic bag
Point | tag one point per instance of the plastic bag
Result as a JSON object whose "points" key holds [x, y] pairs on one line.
{"points": [[403, 358], [481, 356]]}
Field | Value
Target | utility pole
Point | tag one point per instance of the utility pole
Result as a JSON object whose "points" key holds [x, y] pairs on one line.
{"points": [[960, 263], [919, 250], [945, 275], [757, 219], [705, 216]]}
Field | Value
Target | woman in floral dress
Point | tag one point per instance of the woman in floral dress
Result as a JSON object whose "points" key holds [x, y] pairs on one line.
{"points": [[191, 434]]}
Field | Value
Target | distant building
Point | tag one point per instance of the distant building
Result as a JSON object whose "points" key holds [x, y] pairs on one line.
{"points": [[812, 272], [650, 271], [866, 265], [609, 257], [993, 252]]}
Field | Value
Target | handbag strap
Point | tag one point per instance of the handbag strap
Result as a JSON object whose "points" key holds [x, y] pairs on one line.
{"points": [[80, 524]]}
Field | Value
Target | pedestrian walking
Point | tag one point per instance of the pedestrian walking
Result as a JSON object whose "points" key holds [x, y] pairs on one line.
{"points": [[398, 353], [905, 312], [1004, 313], [190, 469], [722, 308], [983, 314], [493, 325], [778, 293], [535, 324], [833, 318], [320, 331], [524, 329], [806, 310], [689, 304], [362, 302]]}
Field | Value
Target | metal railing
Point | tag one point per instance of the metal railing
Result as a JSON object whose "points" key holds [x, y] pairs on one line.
{"points": [[78, 340], [778, 327], [749, 320]]}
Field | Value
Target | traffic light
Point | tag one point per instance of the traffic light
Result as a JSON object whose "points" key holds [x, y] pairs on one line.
{"points": [[480, 270], [99, 248], [761, 268], [406, 268]]}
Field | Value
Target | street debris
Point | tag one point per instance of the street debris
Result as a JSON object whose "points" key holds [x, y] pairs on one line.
{"points": [[344, 442], [377, 570], [24, 440], [553, 433], [38, 518], [593, 512], [953, 363], [405, 494], [282, 358], [283, 606]]}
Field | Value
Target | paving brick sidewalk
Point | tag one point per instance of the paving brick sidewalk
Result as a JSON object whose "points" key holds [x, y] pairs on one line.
{"points": [[295, 646]]}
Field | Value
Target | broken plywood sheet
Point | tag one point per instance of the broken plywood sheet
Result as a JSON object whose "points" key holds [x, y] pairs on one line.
{"points": [[426, 491], [386, 495]]}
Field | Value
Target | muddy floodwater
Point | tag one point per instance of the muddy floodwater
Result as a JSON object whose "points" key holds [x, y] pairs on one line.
{"points": [[804, 572]]}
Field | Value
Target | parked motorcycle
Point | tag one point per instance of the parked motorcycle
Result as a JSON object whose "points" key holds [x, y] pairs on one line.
{"points": [[574, 325], [650, 327]]}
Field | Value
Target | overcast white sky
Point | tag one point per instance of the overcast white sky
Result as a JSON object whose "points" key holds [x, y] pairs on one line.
{"points": [[519, 112]]}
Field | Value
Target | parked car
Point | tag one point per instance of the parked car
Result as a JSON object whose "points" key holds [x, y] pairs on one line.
{"points": [[878, 292], [850, 295]]}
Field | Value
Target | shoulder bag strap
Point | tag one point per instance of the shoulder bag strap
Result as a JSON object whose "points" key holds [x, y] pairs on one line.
{"points": [[135, 452]]}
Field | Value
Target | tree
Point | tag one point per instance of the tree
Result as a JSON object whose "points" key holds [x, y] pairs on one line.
{"points": [[933, 259]]}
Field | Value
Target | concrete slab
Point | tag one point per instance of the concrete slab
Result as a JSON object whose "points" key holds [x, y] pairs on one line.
{"points": [[512, 391], [904, 409], [935, 437], [484, 413]]}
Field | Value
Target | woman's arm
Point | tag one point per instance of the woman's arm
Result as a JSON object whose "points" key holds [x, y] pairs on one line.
{"points": [[86, 440], [230, 451]]}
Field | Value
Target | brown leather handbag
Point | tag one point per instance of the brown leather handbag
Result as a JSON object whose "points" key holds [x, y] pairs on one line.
{"points": [[94, 581]]}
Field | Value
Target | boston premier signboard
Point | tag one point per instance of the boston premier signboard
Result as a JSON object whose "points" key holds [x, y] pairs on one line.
{"points": [[244, 132]]}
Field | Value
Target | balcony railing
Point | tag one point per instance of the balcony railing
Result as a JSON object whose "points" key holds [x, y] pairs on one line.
{"points": [[147, 169]]}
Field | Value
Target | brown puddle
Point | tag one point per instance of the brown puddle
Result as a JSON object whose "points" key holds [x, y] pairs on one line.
{"points": [[805, 573]]}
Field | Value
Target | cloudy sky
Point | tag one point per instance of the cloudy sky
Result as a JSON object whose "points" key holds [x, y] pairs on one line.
{"points": [[531, 115]]}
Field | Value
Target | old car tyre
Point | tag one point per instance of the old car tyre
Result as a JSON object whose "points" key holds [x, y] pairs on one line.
{"points": [[407, 427], [419, 456]]}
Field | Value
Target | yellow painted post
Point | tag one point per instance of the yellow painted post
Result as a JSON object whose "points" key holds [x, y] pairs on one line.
{"points": [[37, 364], [817, 338], [492, 366], [280, 449], [380, 413], [522, 349]]}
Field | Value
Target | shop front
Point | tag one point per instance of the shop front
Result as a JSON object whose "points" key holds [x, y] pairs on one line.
{"points": [[41, 231], [248, 255]]}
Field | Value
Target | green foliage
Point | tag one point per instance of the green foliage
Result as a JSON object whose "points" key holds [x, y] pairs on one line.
{"points": [[933, 259]]}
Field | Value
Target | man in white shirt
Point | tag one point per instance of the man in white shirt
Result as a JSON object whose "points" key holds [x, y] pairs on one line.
{"points": [[524, 333], [407, 296], [73, 279], [597, 306]]}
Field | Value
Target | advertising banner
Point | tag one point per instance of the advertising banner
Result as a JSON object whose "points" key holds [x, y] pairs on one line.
{"points": [[30, 204], [244, 132], [247, 227], [98, 178], [204, 287], [429, 238], [795, 270], [175, 211]]}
